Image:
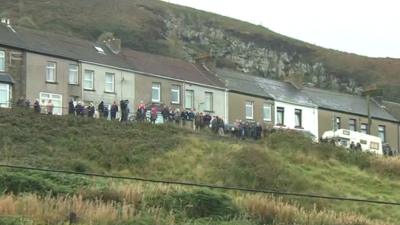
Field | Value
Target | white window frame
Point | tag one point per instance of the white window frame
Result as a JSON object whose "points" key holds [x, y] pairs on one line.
{"points": [[176, 89], [300, 119], [8, 91], [156, 87], [382, 130], [267, 107], [73, 74], [107, 83], [249, 105], [191, 99], [280, 110], [354, 124], [364, 128], [85, 80], [57, 110], [209, 96], [51, 66], [2, 61]]}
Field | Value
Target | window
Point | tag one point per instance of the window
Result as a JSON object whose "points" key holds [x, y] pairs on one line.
{"points": [[109, 82], [175, 94], [5, 95], [382, 132], [56, 99], [209, 102], [51, 72], [88, 80], [364, 128], [2, 61], [297, 118], [352, 124], [155, 92], [337, 123], [73, 74], [189, 95], [280, 116], [267, 112], [249, 110]]}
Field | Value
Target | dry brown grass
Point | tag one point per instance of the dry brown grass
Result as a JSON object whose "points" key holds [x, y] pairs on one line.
{"points": [[262, 208], [56, 210], [272, 210], [386, 165]]}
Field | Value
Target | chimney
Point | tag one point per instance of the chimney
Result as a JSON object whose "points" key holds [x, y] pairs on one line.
{"points": [[8, 21]]}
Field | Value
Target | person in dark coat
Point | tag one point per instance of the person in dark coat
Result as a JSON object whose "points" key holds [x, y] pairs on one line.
{"points": [[100, 108], [36, 106], [165, 114], [105, 113], [259, 131], [91, 110], [71, 108], [114, 110], [80, 110], [206, 120]]}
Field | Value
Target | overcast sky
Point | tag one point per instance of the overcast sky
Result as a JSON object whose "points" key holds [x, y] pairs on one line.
{"points": [[369, 27]]}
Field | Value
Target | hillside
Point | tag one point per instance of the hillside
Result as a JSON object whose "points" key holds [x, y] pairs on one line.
{"points": [[167, 29], [168, 152]]}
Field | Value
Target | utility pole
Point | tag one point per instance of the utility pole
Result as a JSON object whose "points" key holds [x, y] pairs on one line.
{"points": [[369, 92]]}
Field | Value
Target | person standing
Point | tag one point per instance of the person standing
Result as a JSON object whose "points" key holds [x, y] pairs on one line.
{"points": [[91, 110], [100, 109], [114, 110], [50, 107], [36, 106], [71, 108], [153, 114]]}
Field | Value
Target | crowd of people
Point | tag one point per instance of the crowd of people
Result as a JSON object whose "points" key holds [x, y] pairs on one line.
{"points": [[245, 129], [154, 113]]}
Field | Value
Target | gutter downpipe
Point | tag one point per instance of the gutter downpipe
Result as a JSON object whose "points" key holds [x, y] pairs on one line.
{"points": [[226, 107]]}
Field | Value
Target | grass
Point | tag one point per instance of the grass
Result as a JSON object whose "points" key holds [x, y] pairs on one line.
{"points": [[140, 25], [168, 152]]}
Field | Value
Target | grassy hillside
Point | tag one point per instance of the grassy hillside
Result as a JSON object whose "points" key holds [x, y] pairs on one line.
{"points": [[140, 25], [168, 152]]}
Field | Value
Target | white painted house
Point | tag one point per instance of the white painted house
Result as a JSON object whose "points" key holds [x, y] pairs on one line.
{"points": [[293, 109]]}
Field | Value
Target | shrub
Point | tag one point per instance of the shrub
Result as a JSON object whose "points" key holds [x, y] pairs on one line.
{"points": [[197, 204]]}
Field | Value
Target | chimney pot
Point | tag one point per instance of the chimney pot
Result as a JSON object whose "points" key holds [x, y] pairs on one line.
{"points": [[8, 21]]}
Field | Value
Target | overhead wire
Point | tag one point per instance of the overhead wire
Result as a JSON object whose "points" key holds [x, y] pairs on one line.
{"points": [[200, 185]]}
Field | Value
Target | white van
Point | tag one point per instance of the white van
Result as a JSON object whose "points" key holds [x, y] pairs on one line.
{"points": [[345, 138]]}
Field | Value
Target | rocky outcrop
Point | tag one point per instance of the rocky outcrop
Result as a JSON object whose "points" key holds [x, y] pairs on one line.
{"points": [[230, 50]]}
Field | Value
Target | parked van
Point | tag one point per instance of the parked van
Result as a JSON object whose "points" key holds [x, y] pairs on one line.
{"points": [[356, 140]]}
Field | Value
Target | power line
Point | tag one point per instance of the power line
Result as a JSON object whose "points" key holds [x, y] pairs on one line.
{"points": [[264, 191]]}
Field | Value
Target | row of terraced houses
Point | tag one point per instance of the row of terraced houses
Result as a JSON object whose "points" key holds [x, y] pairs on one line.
{"points": [[39, 65]]}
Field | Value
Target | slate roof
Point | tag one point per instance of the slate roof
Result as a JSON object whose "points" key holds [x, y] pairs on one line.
{"points": [[82, 50], [254, 85], [58, 45], [171, 67], [346, 103], [393, 108]]}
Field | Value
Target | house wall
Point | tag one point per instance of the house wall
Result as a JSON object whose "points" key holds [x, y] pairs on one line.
{"points": [[326, 119], [237, 108], [36, 78], [218, 107], [124, 85], [143, 90], [15, 66], [309, 116]]}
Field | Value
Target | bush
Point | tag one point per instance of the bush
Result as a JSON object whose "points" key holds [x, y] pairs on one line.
{"points": [[197, 204], [40, 183], [13, 221]]}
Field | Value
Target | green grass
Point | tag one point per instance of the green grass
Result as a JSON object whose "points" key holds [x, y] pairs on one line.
{"points": [[168, 152]]}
